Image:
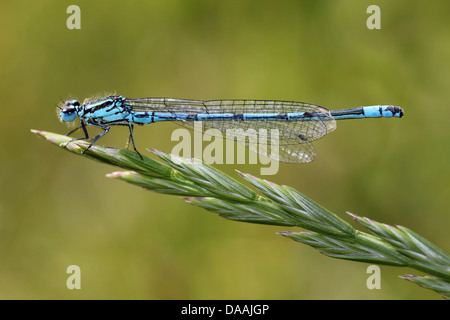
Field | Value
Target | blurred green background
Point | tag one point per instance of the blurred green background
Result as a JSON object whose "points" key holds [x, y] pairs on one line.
{"points": [[57, 209]]}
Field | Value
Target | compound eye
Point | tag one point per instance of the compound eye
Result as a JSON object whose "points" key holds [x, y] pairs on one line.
{"points": [[68, 112]]}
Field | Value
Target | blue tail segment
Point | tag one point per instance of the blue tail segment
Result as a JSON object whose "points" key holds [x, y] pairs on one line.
{"points": [[368, 112], [296, 124]]}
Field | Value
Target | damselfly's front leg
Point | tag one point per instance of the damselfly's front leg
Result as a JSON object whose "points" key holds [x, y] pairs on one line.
{"points": [[86, 134], [77, 128], [95, 139]]}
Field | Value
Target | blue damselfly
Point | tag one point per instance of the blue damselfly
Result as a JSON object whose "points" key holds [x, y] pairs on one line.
{"points": [[297, 124]]}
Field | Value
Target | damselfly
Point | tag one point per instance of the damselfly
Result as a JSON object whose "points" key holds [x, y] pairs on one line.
{"points": [[297, 124]]}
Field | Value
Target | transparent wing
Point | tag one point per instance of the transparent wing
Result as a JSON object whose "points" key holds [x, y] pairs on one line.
{"points": [[286, 141], [280, 140], [221, 106]]}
